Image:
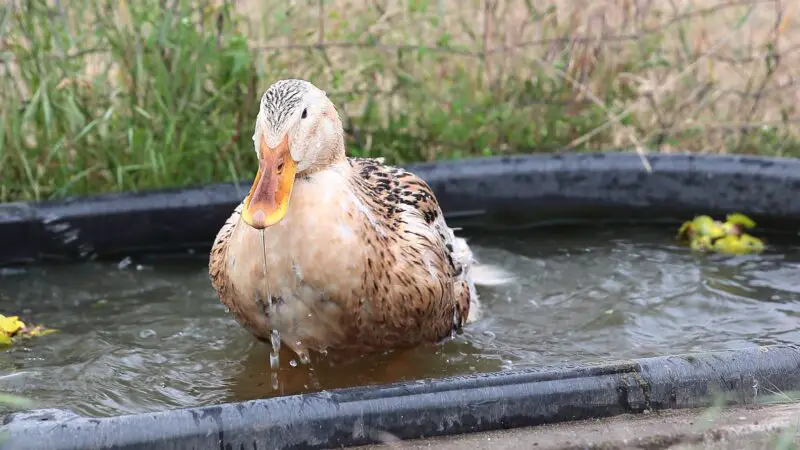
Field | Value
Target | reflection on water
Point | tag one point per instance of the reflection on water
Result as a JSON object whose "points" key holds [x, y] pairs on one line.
{"points": [[147, 335]]}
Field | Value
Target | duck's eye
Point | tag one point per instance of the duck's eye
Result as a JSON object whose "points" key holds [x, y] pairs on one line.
{"points": [[305, 113]]}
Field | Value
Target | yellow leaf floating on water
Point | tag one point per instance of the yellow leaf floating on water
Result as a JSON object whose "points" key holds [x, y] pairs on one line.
{"points": [[10, 324], [706, 226], [739, 245], [740, 219], [12, 327], [701, 243], [707, 234], [684, 229], [701, 226]]}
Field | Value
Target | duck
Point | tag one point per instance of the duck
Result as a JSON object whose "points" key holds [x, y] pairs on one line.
{"points": [[330, 252]]}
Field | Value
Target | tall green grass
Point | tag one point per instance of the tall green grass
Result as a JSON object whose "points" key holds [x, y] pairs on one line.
{"points": [[164, 106], [100, 96]]}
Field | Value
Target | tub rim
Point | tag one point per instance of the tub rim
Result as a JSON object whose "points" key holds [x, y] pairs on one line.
{"points": [[567, 185]]}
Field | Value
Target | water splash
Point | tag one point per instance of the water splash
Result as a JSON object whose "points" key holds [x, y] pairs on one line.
{"points": [[50, 218], [274, 357], [456, 319], [303, 356], [312, 376], [11, 271], [275, 337], [274, 380], [147, 333], [275, 340], [126, 261]]}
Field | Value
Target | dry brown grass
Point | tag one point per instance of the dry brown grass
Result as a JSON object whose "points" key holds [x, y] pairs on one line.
{"points": [[421, 79], [699, 70]]}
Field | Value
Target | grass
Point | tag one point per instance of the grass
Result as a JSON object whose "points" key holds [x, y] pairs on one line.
{"points": [[99, 96], [783, 438]]}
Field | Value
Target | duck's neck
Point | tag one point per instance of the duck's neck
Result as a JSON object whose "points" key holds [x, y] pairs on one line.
{"points": [[328, 158], [320, 195], [323, 183]]}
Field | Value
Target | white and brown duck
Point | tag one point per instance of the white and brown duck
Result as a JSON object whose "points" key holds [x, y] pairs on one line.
{"points": [[334, 252]]}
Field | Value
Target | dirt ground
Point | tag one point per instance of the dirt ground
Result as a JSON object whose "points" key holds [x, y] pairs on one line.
{"points": [[752, 428]]}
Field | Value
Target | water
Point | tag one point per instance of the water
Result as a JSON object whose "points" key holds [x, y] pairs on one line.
{"points": [[147, 335]]}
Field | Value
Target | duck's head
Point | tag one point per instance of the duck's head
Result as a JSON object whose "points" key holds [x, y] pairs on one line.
{"points": [[298, 131]]}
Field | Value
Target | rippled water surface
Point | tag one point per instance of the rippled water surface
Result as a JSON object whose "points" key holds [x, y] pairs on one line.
{"points": [[150, 335]]}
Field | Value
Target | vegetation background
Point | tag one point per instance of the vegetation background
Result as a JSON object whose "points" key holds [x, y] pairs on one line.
{"points": [[102, 95]]}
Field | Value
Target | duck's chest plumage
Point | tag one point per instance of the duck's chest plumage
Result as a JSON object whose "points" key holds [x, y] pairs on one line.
{"points": [[357, 263]]}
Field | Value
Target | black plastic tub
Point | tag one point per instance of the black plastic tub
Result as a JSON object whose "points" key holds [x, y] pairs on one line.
{"points": [[526, 190]]}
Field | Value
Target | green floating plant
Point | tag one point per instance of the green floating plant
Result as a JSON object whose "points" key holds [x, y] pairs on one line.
{"points": [[12, 328], [706, 234]]}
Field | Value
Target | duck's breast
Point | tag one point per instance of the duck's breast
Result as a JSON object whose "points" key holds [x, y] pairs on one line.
{"points": [[315, 264]]}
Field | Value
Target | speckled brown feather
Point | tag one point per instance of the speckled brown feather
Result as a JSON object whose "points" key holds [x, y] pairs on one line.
{"points": [[363, 261], [404, 198]]}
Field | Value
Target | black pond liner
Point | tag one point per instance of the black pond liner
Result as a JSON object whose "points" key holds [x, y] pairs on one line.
{"points": [[536, 189]]}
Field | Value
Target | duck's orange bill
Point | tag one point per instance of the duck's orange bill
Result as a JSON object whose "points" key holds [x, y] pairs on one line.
{"points": [[268, 200]]}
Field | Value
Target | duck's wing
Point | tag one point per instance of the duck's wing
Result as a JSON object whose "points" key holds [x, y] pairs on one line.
{"points": [[246, 311], [217, 268], [412, 207]]}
